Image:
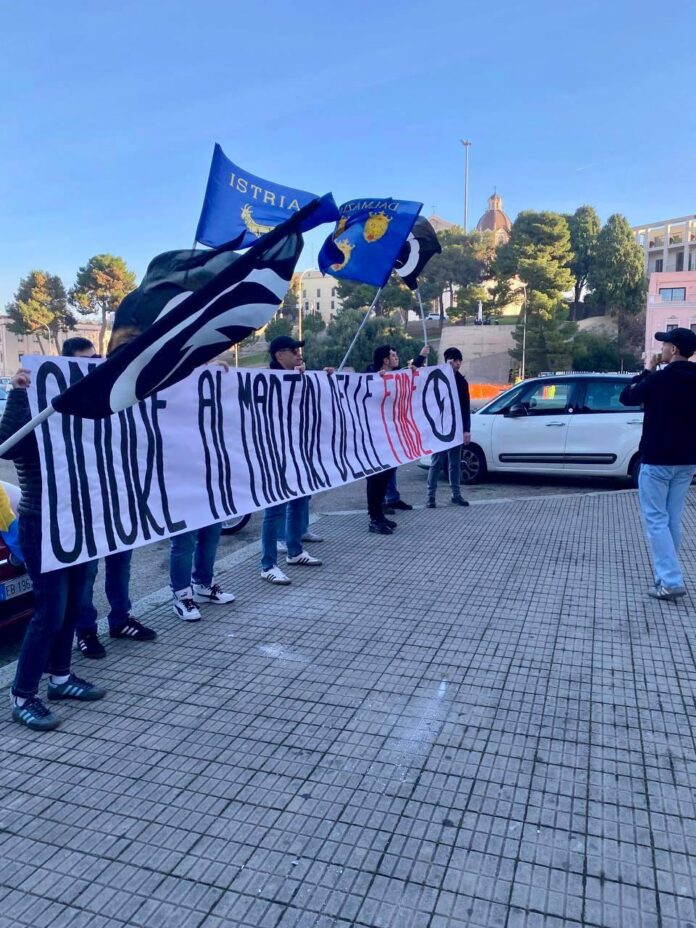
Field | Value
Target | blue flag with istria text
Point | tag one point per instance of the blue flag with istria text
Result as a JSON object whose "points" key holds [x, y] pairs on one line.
{"points": [[367, 239], [237, 202]]}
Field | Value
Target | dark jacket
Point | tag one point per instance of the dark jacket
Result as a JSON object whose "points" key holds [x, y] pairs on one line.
{"points": [[25, 453], [669, 422], [464, 401]]}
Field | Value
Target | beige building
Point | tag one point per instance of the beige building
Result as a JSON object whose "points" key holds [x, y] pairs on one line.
{"points": [[669, 245], [319, 294], [13, 346]]}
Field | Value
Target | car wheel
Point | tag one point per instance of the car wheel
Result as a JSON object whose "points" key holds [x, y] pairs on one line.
{"points": [[473, 464], [234, 525], [634, 472]]}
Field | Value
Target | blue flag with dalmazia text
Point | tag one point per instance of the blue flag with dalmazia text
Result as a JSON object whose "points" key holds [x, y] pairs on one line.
{"points": [[367, 239], [239, 203]]}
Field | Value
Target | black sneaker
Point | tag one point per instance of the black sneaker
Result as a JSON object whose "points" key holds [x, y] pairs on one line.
{"points": [[133, 629], [380, 527], [400, 504], [90, 645], [75, 688], [34, 715], [390, 522], [460, 501], [431, 504]]}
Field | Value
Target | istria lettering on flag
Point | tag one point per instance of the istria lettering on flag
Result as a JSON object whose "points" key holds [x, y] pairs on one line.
{"points": [[238, 203], [368, 238]]}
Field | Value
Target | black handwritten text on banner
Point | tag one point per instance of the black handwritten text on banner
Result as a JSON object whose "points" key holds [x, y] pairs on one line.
{"points": [[220, 444]]}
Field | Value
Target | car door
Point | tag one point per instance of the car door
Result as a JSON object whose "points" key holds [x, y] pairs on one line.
{"points": [[531, 435], [603, 435]]}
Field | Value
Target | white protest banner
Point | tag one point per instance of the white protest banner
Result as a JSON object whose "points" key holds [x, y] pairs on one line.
{"points": [[220, 444]]}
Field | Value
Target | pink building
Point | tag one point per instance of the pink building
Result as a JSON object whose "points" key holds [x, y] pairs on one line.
{"points": [[671, 303]]}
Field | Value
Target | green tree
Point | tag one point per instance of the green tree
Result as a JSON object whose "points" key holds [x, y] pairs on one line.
{"points": [[584, 226], [354, 295], [278, 325], [329, 348], [617, 279], [40, 308], [549, 341], [100, 286], [538, 254], [288, 308], [312, 324], [466, 260], [594, 351], [617, 275]]}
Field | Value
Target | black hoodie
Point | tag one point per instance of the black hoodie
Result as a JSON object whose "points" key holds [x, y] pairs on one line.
{"points": [[669, 423]]}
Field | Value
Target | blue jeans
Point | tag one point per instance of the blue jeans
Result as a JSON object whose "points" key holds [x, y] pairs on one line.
{"points": [[392, 494], [662, 490], [58, 597], [116, 584], [283, 529], [195, 550], [454, 464], [293, 517]]}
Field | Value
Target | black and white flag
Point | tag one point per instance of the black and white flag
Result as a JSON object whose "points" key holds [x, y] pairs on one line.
{"points": [[188, 317], [421, 244]]}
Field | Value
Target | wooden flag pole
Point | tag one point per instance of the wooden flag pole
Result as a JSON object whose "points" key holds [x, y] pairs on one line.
{"points": [[355, 337], [26, 429]]}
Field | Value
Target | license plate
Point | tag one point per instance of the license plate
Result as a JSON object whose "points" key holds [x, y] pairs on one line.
{"points": [[17, 587]]}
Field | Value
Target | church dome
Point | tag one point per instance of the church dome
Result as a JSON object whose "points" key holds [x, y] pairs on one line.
{"points": [[495, 220]]}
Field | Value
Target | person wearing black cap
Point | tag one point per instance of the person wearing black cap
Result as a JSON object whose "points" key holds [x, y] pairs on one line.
{"points": [[285, 355], [668, 452]]}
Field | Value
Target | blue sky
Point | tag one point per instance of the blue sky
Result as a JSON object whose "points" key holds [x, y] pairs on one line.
{"points": [[109, 112]]}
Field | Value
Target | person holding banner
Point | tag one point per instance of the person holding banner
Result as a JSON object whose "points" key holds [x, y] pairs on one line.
{"points": [[58, 594], [453, 356], [116, 567], [285, 353]]}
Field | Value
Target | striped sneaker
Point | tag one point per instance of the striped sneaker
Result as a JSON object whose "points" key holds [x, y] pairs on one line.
{"points": [[133, 629], [75, 688], [305, 559], [90, 645], [34, 715]]}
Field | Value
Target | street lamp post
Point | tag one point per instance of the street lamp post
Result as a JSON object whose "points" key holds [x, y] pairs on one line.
{"points": [[524, 334], [467, 146], [300, 304]]}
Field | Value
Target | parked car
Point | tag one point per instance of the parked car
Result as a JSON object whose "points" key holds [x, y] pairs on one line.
{"points": [[435, 317], [560, 424], [16, 597]]}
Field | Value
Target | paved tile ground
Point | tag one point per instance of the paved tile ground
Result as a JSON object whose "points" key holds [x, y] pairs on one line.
{"points": [[481, 721]]}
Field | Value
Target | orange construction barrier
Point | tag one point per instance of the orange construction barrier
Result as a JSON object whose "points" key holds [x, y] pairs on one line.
{"points": [[486, 391]]}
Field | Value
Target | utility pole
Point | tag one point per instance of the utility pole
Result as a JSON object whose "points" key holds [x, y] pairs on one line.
{"points": [[467, 146]]}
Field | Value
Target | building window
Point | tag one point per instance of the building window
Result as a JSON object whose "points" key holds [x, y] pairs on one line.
{"points": [[680, 261], [333, 304], [304, 294], [333, 291], [658, 265], [670, 326], [693, 326], [306, 306], [672, 294], [318, 291], [318, 309]]}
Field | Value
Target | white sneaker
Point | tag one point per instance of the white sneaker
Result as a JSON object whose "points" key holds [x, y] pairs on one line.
{"points": [[211, 594], [282, 547], [275, 575], [184, 605], [304, 558], [312, 538]]}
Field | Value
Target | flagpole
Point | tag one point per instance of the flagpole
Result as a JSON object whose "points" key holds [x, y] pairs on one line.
{"points": [[26, 429], [355, 337], [422, 312]]}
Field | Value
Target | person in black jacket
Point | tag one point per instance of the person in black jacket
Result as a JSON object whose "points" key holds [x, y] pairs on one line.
{"points": [[58, 594], [668, 453], [453, 356]]}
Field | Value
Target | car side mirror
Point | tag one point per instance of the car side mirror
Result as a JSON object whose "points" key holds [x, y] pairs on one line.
{"points": [[517, 410]]}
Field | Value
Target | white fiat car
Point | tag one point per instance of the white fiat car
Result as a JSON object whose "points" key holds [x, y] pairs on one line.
{"points": [[557, 424]]}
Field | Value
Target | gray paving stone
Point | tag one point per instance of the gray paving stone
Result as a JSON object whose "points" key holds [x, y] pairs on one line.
{"points": [[481, 721]]}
